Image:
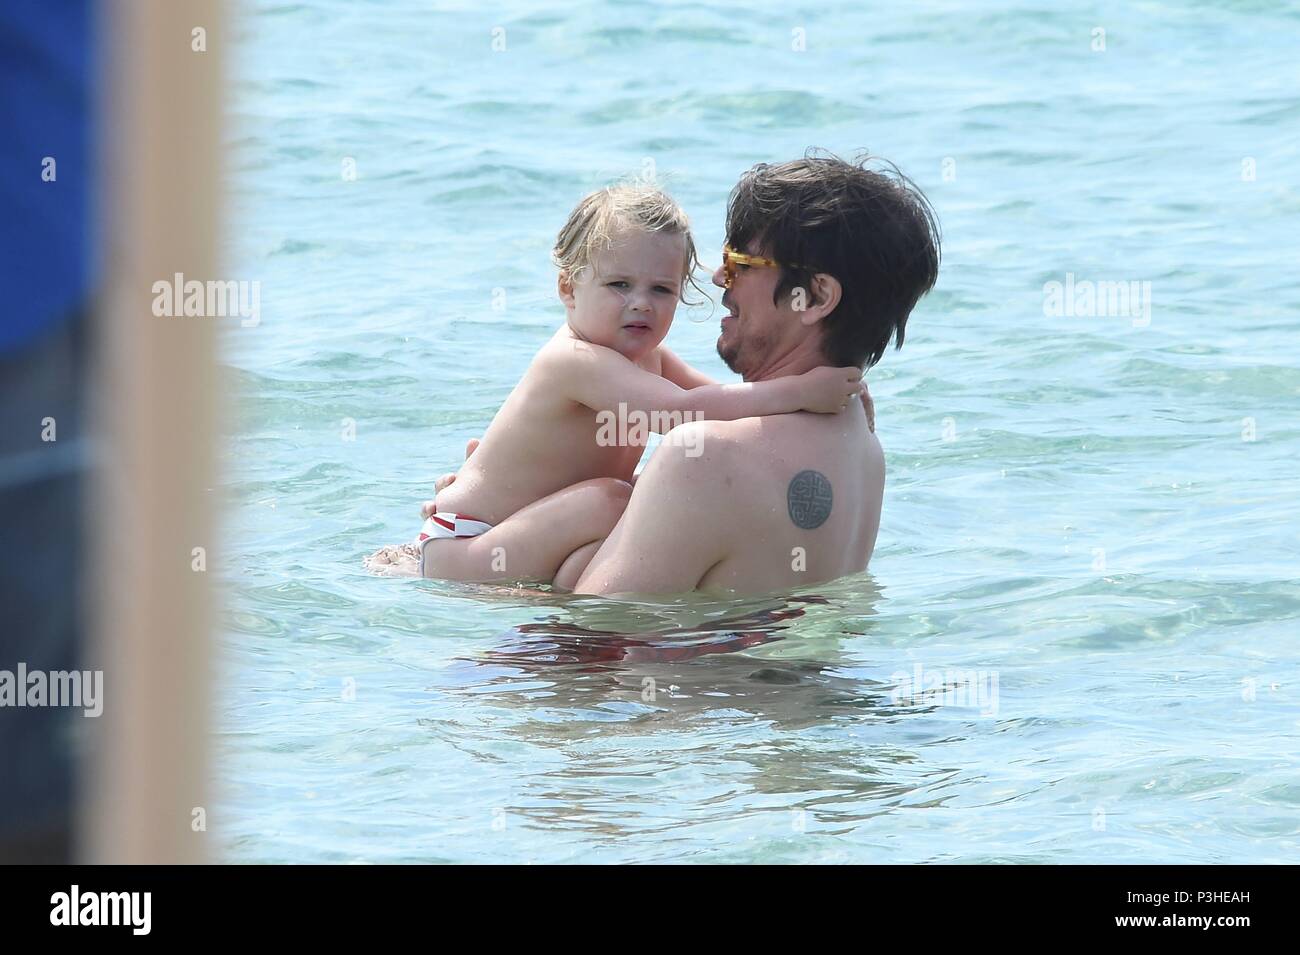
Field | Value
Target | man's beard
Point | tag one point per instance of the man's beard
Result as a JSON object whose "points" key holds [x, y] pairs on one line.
{"points": [[739, 353], [729, 353]]}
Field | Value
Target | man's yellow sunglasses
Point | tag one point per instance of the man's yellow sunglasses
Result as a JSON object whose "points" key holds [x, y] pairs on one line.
{"points": [[731, 258]]}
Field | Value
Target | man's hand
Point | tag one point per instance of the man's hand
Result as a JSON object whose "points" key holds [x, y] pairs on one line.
{"points": [[828, 390], [428, 507]]}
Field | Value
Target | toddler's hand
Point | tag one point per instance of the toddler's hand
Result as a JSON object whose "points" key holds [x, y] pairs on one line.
{"points": [[869, 406], [831, 389], [428, 508]]}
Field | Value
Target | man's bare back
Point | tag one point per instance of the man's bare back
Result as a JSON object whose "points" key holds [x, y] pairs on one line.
{"points": [[771, 503]]}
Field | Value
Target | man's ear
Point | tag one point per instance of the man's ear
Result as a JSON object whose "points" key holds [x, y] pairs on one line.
{"points": [[564, 287], [826, 293]]}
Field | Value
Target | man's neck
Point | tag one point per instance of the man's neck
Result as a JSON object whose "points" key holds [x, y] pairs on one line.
{"points": [[804, 356]]}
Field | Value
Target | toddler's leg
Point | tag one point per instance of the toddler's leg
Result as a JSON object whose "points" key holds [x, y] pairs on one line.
{"points": [[534, 542], [566, 578]]}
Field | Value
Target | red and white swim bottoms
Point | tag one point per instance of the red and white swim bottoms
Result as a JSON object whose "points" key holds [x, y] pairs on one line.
{"points": [[445, 525]]}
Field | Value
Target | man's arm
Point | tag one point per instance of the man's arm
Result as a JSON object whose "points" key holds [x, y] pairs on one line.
{"points": [[678, 523]]}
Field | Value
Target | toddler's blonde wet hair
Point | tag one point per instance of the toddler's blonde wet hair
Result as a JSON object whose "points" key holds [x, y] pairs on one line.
{"points": [[603, 214]]}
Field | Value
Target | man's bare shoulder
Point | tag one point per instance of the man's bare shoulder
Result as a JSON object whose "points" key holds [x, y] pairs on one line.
{"points": [[875, 452], [754, 452], [720, 466], [709, 442], [760, 437], [703, 457]]}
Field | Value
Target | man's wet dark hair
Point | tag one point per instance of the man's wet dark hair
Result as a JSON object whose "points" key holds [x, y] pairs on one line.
{"points": [[873, 229]]}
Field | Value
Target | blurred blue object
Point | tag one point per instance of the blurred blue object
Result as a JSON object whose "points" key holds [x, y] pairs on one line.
{"points": [[46, 278], [47, 58]]}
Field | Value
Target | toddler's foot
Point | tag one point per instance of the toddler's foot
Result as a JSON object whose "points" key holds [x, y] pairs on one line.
{"points": [[395, 560]]}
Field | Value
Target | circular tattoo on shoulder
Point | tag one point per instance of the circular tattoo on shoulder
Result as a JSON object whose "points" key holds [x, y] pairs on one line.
{"points": [[809, 498]]}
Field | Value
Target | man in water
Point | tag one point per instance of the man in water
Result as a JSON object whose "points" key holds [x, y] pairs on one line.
{"points": [[824, 262]]}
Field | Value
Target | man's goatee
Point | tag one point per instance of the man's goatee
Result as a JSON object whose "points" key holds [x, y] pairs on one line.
{"points": [[728, 355]]}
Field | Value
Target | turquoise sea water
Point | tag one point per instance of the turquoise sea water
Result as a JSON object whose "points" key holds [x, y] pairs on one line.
{"points": [[1077, 638]]}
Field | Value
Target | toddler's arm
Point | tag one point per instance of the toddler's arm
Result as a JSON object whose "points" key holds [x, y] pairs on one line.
{"points": [[604, 380], [684, 376], [681, 374]]}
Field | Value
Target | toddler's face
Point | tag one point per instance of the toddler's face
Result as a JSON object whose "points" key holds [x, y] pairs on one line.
{"points": [[627, 298]]}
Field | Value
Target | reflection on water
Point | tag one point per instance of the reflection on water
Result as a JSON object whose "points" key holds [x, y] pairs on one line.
{"points": [[659, 678], [625, 703], [558, 642], [780, 660]]}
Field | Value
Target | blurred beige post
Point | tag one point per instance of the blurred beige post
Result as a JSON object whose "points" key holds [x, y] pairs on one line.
{"points": [[159, 130]]}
